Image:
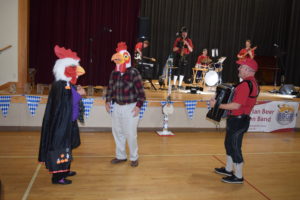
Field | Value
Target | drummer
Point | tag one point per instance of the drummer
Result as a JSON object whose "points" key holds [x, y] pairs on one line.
{"points": [[203, 62]]}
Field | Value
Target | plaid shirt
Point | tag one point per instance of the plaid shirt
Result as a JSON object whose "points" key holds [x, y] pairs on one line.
{"points": [[126, 88]]}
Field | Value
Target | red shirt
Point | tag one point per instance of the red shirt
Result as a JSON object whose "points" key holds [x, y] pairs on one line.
{"points": [[200, 58], [241, 96], [243, 51], [186, 50], [139, 46]]}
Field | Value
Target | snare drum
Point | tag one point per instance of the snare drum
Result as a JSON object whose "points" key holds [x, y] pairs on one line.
{"points": [[211, 78]]}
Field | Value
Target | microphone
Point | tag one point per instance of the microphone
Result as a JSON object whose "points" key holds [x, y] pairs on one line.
{"points": [[275, 45]]}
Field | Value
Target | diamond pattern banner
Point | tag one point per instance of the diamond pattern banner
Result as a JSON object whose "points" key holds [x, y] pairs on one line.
{"points": [[88, 104], [143, 109], [33, 103], [4, 104], [190, 106]]}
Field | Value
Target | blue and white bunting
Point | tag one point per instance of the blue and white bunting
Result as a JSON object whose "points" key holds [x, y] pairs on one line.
{"points": [[88, 104], [208, 105], [111, 107], [33, 103], [4, 104], [190, 106], [143, 109]]}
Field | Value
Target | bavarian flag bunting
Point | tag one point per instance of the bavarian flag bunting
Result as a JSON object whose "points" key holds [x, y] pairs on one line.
{"points": [[111, 107], [143, 108], [190, 106], [33, 103], [208, 105], [88, 104], [4, 104]]}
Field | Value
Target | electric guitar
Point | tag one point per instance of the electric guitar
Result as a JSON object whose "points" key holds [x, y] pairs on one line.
{"points": [[137, 56]]}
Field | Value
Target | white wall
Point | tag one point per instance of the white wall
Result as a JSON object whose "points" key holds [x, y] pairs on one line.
{"points": [[9, 36]]}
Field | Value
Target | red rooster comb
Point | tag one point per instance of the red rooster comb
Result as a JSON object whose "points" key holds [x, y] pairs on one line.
{"points": [[121, 46], [61, 52]]}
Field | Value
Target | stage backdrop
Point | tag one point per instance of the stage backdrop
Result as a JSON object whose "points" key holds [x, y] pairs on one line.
{"points": [[91, 28], [226, 24]]}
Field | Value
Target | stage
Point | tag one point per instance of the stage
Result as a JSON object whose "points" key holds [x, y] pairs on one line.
{"points": [[19, 118]]}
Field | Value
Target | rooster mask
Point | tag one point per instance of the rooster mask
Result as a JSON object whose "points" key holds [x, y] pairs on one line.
{"points": [[67, 67], [121, 58]]}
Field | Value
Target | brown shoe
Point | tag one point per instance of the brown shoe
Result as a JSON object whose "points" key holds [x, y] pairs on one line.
{"points": [[134, 163], [116, 160]]}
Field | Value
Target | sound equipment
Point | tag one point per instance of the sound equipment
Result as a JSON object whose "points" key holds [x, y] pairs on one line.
{"points": [[144, 27], [194, 89], [146, 70], [288, 89], [224, 94]]}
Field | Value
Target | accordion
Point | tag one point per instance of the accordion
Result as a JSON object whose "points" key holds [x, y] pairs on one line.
{"points": [[224, 94]]}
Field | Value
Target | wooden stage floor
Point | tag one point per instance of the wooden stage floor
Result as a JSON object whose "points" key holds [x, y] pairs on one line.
{"points": [[171, 168]]}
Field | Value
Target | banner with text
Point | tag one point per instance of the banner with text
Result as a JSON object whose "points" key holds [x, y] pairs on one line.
{"points": [[273, 116]]}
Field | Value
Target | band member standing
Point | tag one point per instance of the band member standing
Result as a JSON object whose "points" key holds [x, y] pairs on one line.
{"points": [[139, 47], [247, 52], [182, 47], [125, 90], [245, 95]]}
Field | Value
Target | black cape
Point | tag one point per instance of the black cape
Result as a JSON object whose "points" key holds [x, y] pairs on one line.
{"points": [[59, 134]]}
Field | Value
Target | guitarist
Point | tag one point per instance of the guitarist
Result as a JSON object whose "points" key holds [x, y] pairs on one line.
{"points": [[182, 47], [247, 52], [139, 47]]}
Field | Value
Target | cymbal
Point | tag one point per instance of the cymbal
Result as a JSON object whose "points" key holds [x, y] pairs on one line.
{"points": [[206, 61]]}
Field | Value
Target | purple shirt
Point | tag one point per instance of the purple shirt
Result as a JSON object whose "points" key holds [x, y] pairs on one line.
{"points": [[76, 98]]}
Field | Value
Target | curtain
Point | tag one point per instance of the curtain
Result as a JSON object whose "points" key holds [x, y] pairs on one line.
{"points": [[92, 28], [226, 24]]}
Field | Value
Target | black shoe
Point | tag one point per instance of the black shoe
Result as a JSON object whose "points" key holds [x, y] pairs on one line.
{"points": [[174, 87], [62, 182], [223, 171], [116, 160], [71, 173], [233, 179], [180, 87], [134, 163]]}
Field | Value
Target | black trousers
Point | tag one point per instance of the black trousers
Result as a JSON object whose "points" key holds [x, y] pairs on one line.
{"points": [[181, 63], [235, 129]]}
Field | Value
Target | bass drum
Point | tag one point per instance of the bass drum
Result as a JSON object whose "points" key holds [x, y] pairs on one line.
{"points": [[211, 78]]}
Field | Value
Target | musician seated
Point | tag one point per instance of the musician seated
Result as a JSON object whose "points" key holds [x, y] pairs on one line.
{"points": [[203, 62]]}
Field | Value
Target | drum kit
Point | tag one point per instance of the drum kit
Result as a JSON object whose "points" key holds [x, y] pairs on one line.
{"points": [[211, 72]]}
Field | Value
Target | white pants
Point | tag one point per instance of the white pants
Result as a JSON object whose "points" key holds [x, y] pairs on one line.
{"points": [[124, 127]]}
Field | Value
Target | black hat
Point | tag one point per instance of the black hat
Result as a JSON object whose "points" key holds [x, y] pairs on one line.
{"points": [[183, 29]]}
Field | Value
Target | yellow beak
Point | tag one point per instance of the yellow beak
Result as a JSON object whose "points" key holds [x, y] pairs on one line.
{"points": [[117, 58], [79, 71]]}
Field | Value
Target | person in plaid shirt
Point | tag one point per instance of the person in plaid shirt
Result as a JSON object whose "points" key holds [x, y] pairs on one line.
{"points": [[125, 90]]}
